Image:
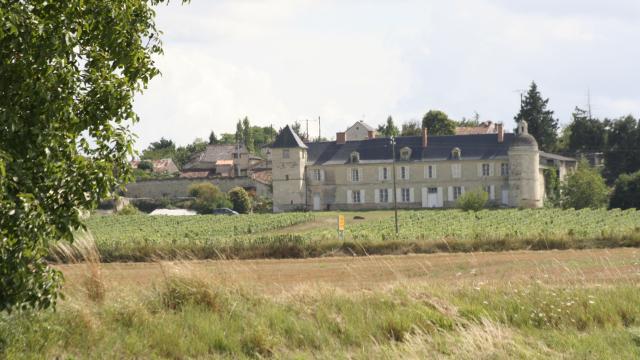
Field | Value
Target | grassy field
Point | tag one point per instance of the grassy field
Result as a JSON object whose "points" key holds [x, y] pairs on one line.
{"points": [[300, 235], [522, 305]]}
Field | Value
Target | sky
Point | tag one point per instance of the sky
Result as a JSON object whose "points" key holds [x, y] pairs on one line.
{"points": [[281, 61]]}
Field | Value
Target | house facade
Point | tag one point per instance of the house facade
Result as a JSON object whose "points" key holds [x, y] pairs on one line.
{"points": [[430, 171]]}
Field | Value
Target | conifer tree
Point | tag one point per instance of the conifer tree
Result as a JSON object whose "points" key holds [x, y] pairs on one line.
{"points": [[542, 125]]}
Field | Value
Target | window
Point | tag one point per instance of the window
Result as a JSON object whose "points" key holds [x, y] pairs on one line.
{"points": [[355, 175], [456, 171], [405, 153], [383, 195], [285, 153], [456, 153], [385, 173], [430, 172], [405, 195], [432, 190], [457, 191], [404, 172], [317, 174], [355, 197], [355, 157], [485, 169], [504, 169]]}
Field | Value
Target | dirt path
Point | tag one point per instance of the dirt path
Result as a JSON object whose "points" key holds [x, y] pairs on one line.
{"points": [[554, 267]]}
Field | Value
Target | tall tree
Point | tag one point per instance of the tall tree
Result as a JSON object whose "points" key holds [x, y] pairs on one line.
{"points": [[586, 134], [622, 155], [297, 128], [438, 123], [388, 129], [69, 72], [247, 135], [542, 125], [213, 139], [411, 128], [162, 149], [239, 132]]}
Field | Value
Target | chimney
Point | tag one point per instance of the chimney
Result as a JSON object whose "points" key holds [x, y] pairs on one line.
{"points": [[425, 138], [341, 138], [371, 134], [500, 131]]}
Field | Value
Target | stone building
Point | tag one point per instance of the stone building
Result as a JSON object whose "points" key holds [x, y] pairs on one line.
{"points": [[221, 160], [430, 171]]}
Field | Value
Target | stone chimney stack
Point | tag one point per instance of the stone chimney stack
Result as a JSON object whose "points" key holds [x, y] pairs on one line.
{"points": [[500, 130], [341, 138], [425, 137]]}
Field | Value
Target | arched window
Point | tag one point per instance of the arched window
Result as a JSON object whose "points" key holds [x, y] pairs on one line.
{"points": [[405, 154], [456, 154], [355, 157]]}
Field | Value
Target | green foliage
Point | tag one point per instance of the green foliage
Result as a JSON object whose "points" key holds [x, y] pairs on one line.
{"points": [[69, 72], [240, 200], [552, 187], [184, 154], [542, 126], [145, 165], [129, 209], [262, 205], [207, 197], [438, 123], [389, 129], [213, 139], [157, 150], [247, 135], [470, 122], [297, 128], [584, 188], [585, 133], [411, 128], [626, 193], [623, 153], [474, 200]]}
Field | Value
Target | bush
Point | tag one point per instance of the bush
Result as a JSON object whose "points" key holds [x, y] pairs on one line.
{"points": [[626, 193], [473, 200], [129, 209], [145, 165], [262, 205], [584, 188], [240, 200], [207, 197]]}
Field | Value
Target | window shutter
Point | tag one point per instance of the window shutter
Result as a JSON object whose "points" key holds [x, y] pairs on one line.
{"points": [[424, 196], [491, 169], [480, 170], [434, 171], [349, 198], [450, 193], [349, 178], [440, 199], [426, 171], [412, 198], [360, 174], [407, 171], [322, 175], [389, 195], [379, 173], [461, 190], [376, 195], [362, 198], [398, 194], [492, 192]]}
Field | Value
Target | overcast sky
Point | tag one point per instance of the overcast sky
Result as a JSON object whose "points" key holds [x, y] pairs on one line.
{"points": [[278, 61]]}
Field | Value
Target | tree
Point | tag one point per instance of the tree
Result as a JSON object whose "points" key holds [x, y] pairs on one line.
{"points": [[240, 200], [297, 128], [145, 165], [247, 135], [239, 132], [586, 134], [227, 139], [213, 139], [542, 126], [411, 128], [184, 154], [473, 121], [584, 188], [69, 72], [473, 200], [388, 130], [626, 192], [157, 150], [622, 155], [207, 197], [438, 123]]}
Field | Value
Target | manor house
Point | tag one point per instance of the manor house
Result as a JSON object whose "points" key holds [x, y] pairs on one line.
{"points": [[356, 171]]}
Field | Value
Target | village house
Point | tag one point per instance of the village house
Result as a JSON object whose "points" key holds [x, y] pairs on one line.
{"points": [[221, 160], [430, 171], [161, 166]]}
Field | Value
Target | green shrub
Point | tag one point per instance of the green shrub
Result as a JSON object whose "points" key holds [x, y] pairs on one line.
{"points": [[145, 165], [240, 200], [626, 193], [473, 200], [584, 188], [129, 209], [207, 197]]}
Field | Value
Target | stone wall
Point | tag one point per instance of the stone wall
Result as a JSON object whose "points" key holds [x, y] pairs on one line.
{"points": [[178, 188]]}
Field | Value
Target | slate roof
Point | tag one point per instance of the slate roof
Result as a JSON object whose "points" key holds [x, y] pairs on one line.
{"points": [[212, 154], [287, 138], [473, 147]]}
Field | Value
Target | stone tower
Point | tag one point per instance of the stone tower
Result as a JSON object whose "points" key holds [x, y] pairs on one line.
{"points": [[288, 157], [524, 170]]}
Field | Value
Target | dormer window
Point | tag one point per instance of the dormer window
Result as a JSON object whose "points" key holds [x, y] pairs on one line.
{"points": [[355, 157], [456, 154], [405, 154]]}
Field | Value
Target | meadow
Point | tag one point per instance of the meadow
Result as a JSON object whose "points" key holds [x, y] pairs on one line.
{"points": [[300, 235]]}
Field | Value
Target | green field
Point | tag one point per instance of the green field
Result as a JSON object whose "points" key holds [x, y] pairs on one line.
{"points": [[143, 237]]}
